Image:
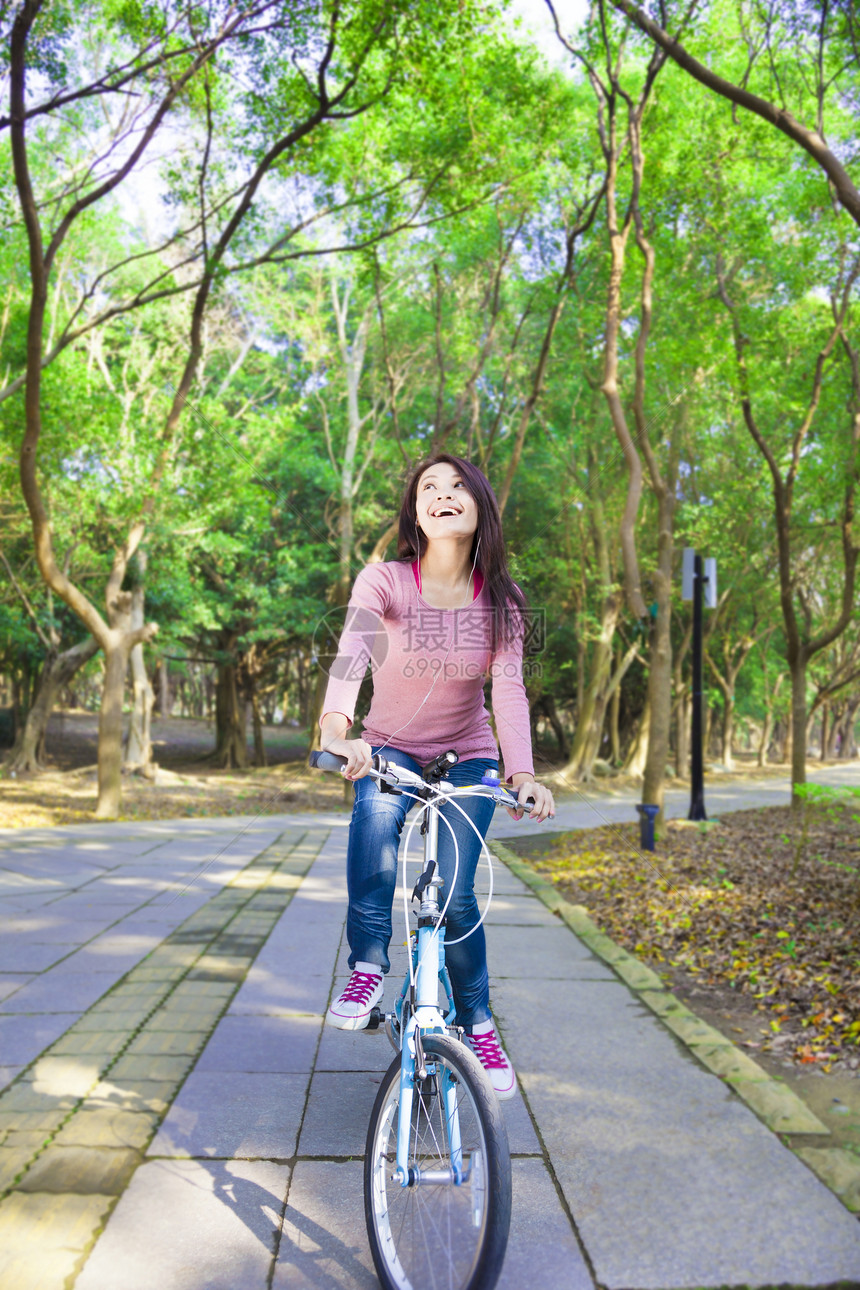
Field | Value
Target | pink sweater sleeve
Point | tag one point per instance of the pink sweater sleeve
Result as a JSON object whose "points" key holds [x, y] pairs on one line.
{"points": [[511, 708], [371, 596]]}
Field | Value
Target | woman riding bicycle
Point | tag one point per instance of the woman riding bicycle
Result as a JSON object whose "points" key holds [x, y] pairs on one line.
{"points": [[432, 624]]}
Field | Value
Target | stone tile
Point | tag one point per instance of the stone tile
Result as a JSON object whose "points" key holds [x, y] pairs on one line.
{"points": [[354, 1050], [133, 1094], [839, 1169], [129, 992], [100, 1042], [38, 1268], [283, 1045], [688, 1027], [323, 1245], [14, 1137], [26, 1096], [30, 957], [145, 972], [12, 981], [81, 1170], [306, 950], [51, 929], [522, 1138], [542, 1248], [273, 991], [518, 911], [60, 991], [46, 1121], [13, 1161], [256, 924], [553, 953], [202, 1018], [87, 904], [150, 1068], [171, 956], [730, 1063], [122, 1021], [780, 1108], [186, 1224], [636, 974], [35, 1227], [220, 967], [167, 1043], [338, 1113], [191, 992], [72, 1075], [106, 1127], [234, 1115]]}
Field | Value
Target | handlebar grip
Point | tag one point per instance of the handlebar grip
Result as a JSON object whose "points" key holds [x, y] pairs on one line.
{"points": [[327, 761]]}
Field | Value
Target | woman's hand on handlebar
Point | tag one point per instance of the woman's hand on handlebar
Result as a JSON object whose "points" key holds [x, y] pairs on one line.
{"points": [[357, 752], [525, 787]]}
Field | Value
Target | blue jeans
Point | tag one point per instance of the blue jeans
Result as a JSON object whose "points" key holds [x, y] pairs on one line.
{"points": [[371, 871]]}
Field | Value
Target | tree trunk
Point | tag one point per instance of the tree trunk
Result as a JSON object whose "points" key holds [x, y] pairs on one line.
{"points": [[110, 729], [785, 755], [798, 727], [659, 704], [27, 754], [138, 753], [682, 733], [660, 664], [614, 737], [764, 742], [260, 758], [164, 703], [545, 707], [589, 718], [825, 712], [116, 655], [848, 744], [638, 754], [231, 748], [728, 729]]}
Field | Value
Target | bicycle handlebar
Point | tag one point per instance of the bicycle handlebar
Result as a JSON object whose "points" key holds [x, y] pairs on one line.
{"points": [[389, 772]]}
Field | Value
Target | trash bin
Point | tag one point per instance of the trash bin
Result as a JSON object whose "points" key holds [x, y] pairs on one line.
{"points": [[647, 816]]}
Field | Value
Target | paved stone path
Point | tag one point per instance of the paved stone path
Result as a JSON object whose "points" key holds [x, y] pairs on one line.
{"points": [[175, 1116]]}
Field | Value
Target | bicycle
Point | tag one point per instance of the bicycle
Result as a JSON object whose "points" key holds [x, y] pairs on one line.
{"points": [[442, 1215]]}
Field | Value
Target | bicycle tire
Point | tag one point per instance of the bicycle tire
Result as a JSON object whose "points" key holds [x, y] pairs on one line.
{"points": [[468, 1223]]}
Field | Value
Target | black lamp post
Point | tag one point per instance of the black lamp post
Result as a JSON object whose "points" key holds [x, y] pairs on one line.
{"points": [[699, 584]]}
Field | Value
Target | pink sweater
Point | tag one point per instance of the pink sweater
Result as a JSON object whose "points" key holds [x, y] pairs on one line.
{"points": [[406, 642]]}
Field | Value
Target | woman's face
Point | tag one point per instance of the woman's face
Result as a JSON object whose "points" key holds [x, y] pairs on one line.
{"points": [[443, 504]]}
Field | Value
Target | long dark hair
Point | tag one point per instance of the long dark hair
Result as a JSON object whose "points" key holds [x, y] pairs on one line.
{"points": [[508, 603]]}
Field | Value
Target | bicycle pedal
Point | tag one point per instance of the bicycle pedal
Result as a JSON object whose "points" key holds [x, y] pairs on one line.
{"points": [[376, 1019]]}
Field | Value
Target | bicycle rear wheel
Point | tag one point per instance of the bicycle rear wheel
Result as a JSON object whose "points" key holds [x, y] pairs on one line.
{"points": [[438, 1232]]}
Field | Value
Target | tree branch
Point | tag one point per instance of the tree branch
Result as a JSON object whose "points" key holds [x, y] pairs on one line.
{"points": [[809, 139]]}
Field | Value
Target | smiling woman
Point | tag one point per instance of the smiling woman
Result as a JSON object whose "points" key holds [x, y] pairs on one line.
{"points": [[432, 624]]}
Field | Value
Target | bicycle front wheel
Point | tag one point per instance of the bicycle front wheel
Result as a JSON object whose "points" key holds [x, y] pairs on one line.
{"points": [[449, 1227]]}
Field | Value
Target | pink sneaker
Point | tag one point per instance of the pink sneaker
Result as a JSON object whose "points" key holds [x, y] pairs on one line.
{"points": [[485, 1044], [352, 1010]]}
